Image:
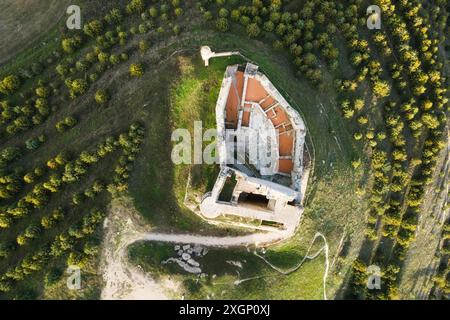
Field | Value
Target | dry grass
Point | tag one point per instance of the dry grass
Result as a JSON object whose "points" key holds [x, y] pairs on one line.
{"points": [[25, 21]]}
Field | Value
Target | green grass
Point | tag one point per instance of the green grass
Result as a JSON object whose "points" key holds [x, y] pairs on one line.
{"points": [[158, 186], [333, 209], [221, 274], [228, 188]]}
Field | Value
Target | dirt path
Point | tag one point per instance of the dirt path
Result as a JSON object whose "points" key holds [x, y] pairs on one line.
{"points": [[122, 279], [256, 239], [125, 281], [308, 256]]}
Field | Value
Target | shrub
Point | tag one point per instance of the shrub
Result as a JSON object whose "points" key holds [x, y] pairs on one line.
{"points": [[223, 13], [9, 84], [78, 87], [93, 28], [253, 30], [222, 24], [101, 97], [178, 12], [34, 143], [53, 276], [136, 70], [143, 46], [135, 6]]}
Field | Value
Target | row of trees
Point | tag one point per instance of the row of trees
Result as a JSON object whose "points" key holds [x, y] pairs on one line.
{"points": [[33, 111], [441, 289], [129, 143], [72, 171], [77, 86], [305, 33], [78, 71], [10, 183], [36, 109], [421, 67], [394, 169], [64, 243]]}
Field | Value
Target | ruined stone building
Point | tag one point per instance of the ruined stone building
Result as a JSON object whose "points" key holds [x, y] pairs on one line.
{"points": [[260, 141]]}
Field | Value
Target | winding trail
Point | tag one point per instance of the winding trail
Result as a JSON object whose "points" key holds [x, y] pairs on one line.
{"points": [[126, 281], [307, 257], [256, 239]]}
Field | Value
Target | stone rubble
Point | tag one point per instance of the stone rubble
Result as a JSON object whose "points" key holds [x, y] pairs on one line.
{"points": [[185, 255], [185, 258]]}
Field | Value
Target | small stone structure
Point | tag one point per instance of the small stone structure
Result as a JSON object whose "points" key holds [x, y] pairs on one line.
{"points": [[207, 54]]}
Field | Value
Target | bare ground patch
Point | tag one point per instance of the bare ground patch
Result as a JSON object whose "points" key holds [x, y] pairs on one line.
{"points": [[123, 280]]}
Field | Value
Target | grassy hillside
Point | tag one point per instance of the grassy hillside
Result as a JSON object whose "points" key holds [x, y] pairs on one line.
{"points": [[263, 283]]}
